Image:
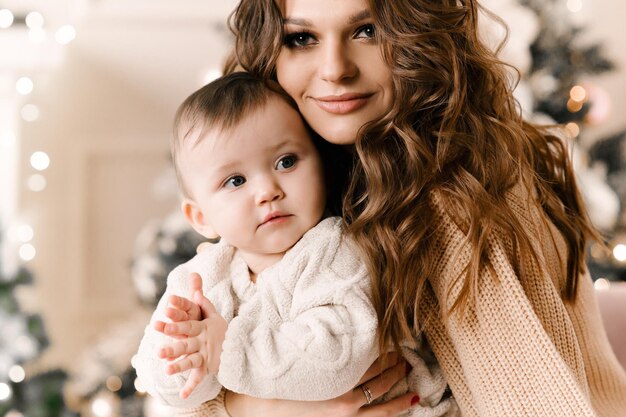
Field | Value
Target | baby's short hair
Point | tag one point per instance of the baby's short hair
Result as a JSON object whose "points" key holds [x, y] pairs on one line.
{"points": [[220, 105]]}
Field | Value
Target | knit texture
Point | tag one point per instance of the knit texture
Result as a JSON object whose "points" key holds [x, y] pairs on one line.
{"points": [[520, 350], [214, 408], [305, 331]]}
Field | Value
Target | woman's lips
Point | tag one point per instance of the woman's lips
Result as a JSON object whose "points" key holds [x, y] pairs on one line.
{"points": [[342, 104]]}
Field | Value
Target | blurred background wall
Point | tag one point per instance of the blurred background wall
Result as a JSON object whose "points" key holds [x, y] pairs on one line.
{"points": [[87, 194]]}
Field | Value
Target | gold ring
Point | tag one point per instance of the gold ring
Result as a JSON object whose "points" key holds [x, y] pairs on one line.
{"points": [[367, 393]]}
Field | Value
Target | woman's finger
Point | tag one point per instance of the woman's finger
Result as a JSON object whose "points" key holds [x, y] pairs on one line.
{"points": [[390, 408], [380, 384], [195, 360], [380, 365], [183, 347]]}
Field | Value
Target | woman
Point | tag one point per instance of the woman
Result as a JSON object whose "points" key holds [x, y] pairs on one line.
{"points": [[470, 217]]}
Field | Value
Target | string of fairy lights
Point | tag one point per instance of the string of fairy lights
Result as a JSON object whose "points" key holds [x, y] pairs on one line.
{"points": [[23, 234], [33, 28], [38, 34]]}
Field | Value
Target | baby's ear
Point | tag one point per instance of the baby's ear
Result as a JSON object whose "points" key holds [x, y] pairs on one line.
{"points": [[196, 219]]}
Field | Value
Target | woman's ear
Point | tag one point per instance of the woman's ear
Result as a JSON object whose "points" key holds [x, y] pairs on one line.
{"points": [[196, 219]]}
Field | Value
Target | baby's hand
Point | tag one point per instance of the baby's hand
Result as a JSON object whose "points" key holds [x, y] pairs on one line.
{"points": [[200, 347], [182, 309]]}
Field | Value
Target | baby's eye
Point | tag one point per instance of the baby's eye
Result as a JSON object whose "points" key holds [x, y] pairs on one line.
{"points": [[298, 40], [234, 181], [366, 31], [286, 162]]}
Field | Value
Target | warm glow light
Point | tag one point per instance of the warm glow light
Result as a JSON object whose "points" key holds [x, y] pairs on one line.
{"points": [[574, 106], [34, 20], [27, 252], [17, 374], [40, 161], [36, 183], [14, 413], [602, 284], [25, 233], [30, 112], [101, 408], [574, 5], [24, 86], [6, 18], [7, 139], [65, 34], [37, 35], [573, 129], [578, 93], [619, 252], [598, 251], [5, 391], [114, 383]]}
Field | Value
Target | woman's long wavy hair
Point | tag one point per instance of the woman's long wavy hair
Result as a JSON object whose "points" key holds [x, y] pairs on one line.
{"points": [[455, 130]]}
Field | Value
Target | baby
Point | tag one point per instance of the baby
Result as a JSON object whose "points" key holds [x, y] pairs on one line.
{"points": [[289, 313]]}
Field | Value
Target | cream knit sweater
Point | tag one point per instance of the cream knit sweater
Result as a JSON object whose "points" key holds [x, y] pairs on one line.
{"points": [[305, 331], [522, 351]]}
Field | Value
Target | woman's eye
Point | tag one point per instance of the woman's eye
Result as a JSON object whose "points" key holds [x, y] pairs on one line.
{"points": [[234, 182], [299, 40], [366, 31], [286, 162]]}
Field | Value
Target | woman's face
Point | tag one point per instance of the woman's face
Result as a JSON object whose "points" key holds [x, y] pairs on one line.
{"points": [[332, 66]]}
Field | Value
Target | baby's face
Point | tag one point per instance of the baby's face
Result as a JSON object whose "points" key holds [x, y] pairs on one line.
{"points": [[259, 185]]}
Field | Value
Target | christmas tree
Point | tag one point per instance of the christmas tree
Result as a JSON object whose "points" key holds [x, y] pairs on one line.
{"points": [[556, 64], [562, 64], [22, 340]]}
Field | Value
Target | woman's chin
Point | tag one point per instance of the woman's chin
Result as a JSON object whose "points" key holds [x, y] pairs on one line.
{"points": [[340, 136]]}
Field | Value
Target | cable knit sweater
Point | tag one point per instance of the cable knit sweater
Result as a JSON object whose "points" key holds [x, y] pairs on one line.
{"points": [[521, 351], [305, 331]]}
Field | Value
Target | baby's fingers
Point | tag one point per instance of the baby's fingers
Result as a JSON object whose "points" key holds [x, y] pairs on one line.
{"points": [[195, 360], [176, 349], [183, 328], [185, 305], [195, 378], [175, 314]]}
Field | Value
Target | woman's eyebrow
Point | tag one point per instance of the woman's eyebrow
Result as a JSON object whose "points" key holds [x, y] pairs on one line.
{"points": [[355, 18], [297, 22]]}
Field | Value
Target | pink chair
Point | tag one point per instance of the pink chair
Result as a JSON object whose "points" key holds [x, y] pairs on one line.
{"points": [[612, 303]]}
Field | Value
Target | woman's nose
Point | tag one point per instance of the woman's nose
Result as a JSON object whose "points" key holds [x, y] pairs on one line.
{"points": [[336, 63]]}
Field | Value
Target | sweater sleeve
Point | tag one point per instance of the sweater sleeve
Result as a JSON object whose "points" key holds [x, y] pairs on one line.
{"points": [[151, 370], [310, 334], [509, 355]]}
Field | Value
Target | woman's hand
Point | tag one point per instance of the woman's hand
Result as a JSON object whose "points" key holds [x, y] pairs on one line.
{"points": [[378, 380]]}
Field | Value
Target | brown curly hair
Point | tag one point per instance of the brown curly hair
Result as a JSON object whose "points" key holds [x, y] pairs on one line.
{"points": [[454, 130]]}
